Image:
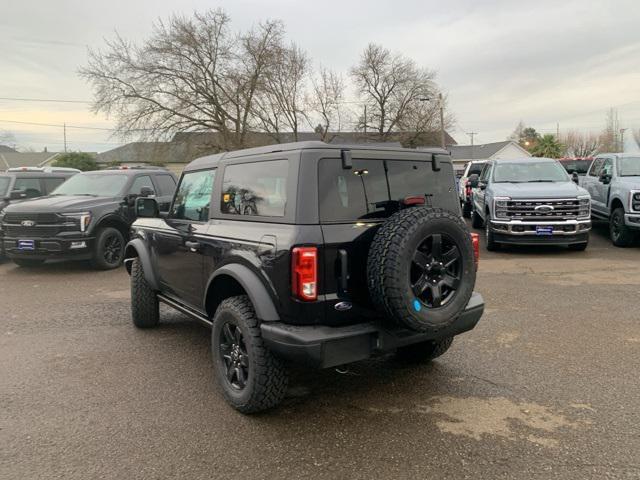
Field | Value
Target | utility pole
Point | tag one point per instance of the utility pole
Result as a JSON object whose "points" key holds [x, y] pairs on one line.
{"points": [[365, 120], [622, 130], [442, 139], [472, 134], [558, 131], [64, 126]]}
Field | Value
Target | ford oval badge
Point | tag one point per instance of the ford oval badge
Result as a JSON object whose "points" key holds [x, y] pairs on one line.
{"points": [[343, 306]]}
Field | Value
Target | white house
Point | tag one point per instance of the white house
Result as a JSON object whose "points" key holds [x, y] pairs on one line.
{"points": [[461, 154]]}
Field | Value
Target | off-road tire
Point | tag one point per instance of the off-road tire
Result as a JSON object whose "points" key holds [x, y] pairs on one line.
{"points": [[145, 310], [424, 351], [578, 247], [476, 220], [27, 262], [624, 236], [104, 235], [492, 245], [390, 260], [267, 377]]}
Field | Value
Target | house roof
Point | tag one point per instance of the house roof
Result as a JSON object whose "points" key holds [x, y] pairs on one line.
{"points": [[26, 159], [187, 146], [6, 148], [479, 152]]}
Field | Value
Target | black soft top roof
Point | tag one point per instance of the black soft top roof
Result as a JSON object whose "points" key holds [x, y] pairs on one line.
{"points": [[214, 160]]}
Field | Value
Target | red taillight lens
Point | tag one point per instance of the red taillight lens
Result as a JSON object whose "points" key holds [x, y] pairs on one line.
{"points": [[304, 273], [415, 200], [475, 241]]}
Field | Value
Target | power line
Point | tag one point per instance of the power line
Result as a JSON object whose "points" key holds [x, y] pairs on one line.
{"points": [[59, 125], [12, 99]]}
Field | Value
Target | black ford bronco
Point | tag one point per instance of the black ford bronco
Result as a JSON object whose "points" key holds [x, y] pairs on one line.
{"points": [[86, 218], [310, 253]]}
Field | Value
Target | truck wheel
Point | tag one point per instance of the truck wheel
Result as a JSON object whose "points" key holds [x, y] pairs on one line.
{"points": [[492, 245], [27, 262], [421, 269], [578, 247], [621, 235], [476, 220], [424, 351], [109, 249], [251, 378], [145, 311]]}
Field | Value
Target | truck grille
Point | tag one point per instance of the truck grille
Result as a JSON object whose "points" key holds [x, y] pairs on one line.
{"points": [[45, 225], [536, 210], [31, 232], [46, 218]]}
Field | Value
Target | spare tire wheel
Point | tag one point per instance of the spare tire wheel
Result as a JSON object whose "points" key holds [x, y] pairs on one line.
{"points": [[421, 269]]}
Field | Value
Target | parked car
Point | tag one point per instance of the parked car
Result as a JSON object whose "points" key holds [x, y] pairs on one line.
{"points": [[530, 201], [614, 184], [311, 253], [464, 185], [577, 165], [85, 218], [19, 184]]}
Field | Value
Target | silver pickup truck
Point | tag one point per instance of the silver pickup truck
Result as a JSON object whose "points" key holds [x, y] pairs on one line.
{"points": [[613, 181], [530, 201]]}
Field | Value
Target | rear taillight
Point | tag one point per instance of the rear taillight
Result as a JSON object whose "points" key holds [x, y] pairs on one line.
{"points": [[475, 241], [304, 273]]}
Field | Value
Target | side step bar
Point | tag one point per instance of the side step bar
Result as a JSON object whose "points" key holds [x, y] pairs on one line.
{"points": [[186, 310]]}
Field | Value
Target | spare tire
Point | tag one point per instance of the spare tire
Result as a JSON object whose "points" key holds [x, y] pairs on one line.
{"points": [[421, 269]]}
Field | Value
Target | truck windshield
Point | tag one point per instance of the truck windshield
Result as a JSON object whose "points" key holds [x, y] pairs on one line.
{"points": [[526, 171], [4, 186], [95, 184], [630, 167]]}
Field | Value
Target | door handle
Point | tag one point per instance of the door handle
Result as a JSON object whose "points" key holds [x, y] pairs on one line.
{"points": [[193, 246]]}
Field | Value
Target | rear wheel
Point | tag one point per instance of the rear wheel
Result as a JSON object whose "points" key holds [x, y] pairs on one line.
{"points": [[109, 249], [251, 378], [424, 351], [621, 235], [27, 262], [145, 311]]}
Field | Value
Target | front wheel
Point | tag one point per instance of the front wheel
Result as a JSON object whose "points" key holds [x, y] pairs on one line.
{"points": [[424, 351], [466, 209], [109, 249], [621, 235], [492, 245], [251, 378], [476, 219]]}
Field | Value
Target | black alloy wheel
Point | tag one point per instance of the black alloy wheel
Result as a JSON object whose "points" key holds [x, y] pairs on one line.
{"points": [[436, 270], [233, 351], [113, 250]]}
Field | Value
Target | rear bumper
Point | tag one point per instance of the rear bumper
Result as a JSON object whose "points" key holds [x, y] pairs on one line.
{"points": [[67, 248], [323, 346]]}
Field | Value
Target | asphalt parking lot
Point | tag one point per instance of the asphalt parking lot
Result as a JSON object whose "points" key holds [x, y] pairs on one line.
{"points": [[547, 386]]}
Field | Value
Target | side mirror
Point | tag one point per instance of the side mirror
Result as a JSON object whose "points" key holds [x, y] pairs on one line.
{"points": [[473, 180], [17, 195], [575, 178], [482, 185], [147, 208], [147, 192], [605, 178]]}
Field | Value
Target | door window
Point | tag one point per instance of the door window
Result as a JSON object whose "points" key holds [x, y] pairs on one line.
{"points": [[596, 168], [166, 185], [486, 171], [258, 189], [607, 167], [30, 186], [193, 196], [52, 183], [139, 183]]}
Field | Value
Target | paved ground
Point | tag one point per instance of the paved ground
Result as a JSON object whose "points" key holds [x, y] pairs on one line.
{"points": [[545, 387]]}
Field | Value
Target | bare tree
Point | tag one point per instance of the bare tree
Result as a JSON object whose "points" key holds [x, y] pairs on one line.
{"points": [[579, 144], [609, 140], [7, 138], [391, 86], [279, 105], [192, 74], [325, 102]]}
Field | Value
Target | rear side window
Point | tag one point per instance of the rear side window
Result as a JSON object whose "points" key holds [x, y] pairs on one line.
{"points": [[52, 183], [258, 189], [30, 186], [193, 196], [166, 185], [371, 189]]}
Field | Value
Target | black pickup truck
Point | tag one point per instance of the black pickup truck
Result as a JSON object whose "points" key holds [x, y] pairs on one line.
{"points": [[310, 253]]}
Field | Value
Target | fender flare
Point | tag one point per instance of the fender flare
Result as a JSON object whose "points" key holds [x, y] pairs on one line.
{"points": [[137, 248], [257, 292]]}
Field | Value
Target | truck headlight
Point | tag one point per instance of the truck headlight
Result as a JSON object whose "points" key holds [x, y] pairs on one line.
{"points": [[500, 207], [584, 207], [635, 201], [83, 219]]}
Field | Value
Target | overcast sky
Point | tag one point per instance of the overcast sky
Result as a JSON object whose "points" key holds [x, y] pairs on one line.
{"points": [[499, 61]]}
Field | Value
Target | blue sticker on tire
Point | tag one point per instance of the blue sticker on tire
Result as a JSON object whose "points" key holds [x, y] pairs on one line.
{"points": [[417, 306]]}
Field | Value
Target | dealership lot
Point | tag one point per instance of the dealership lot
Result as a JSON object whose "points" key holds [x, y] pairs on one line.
{"points": [[545, 387]]}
